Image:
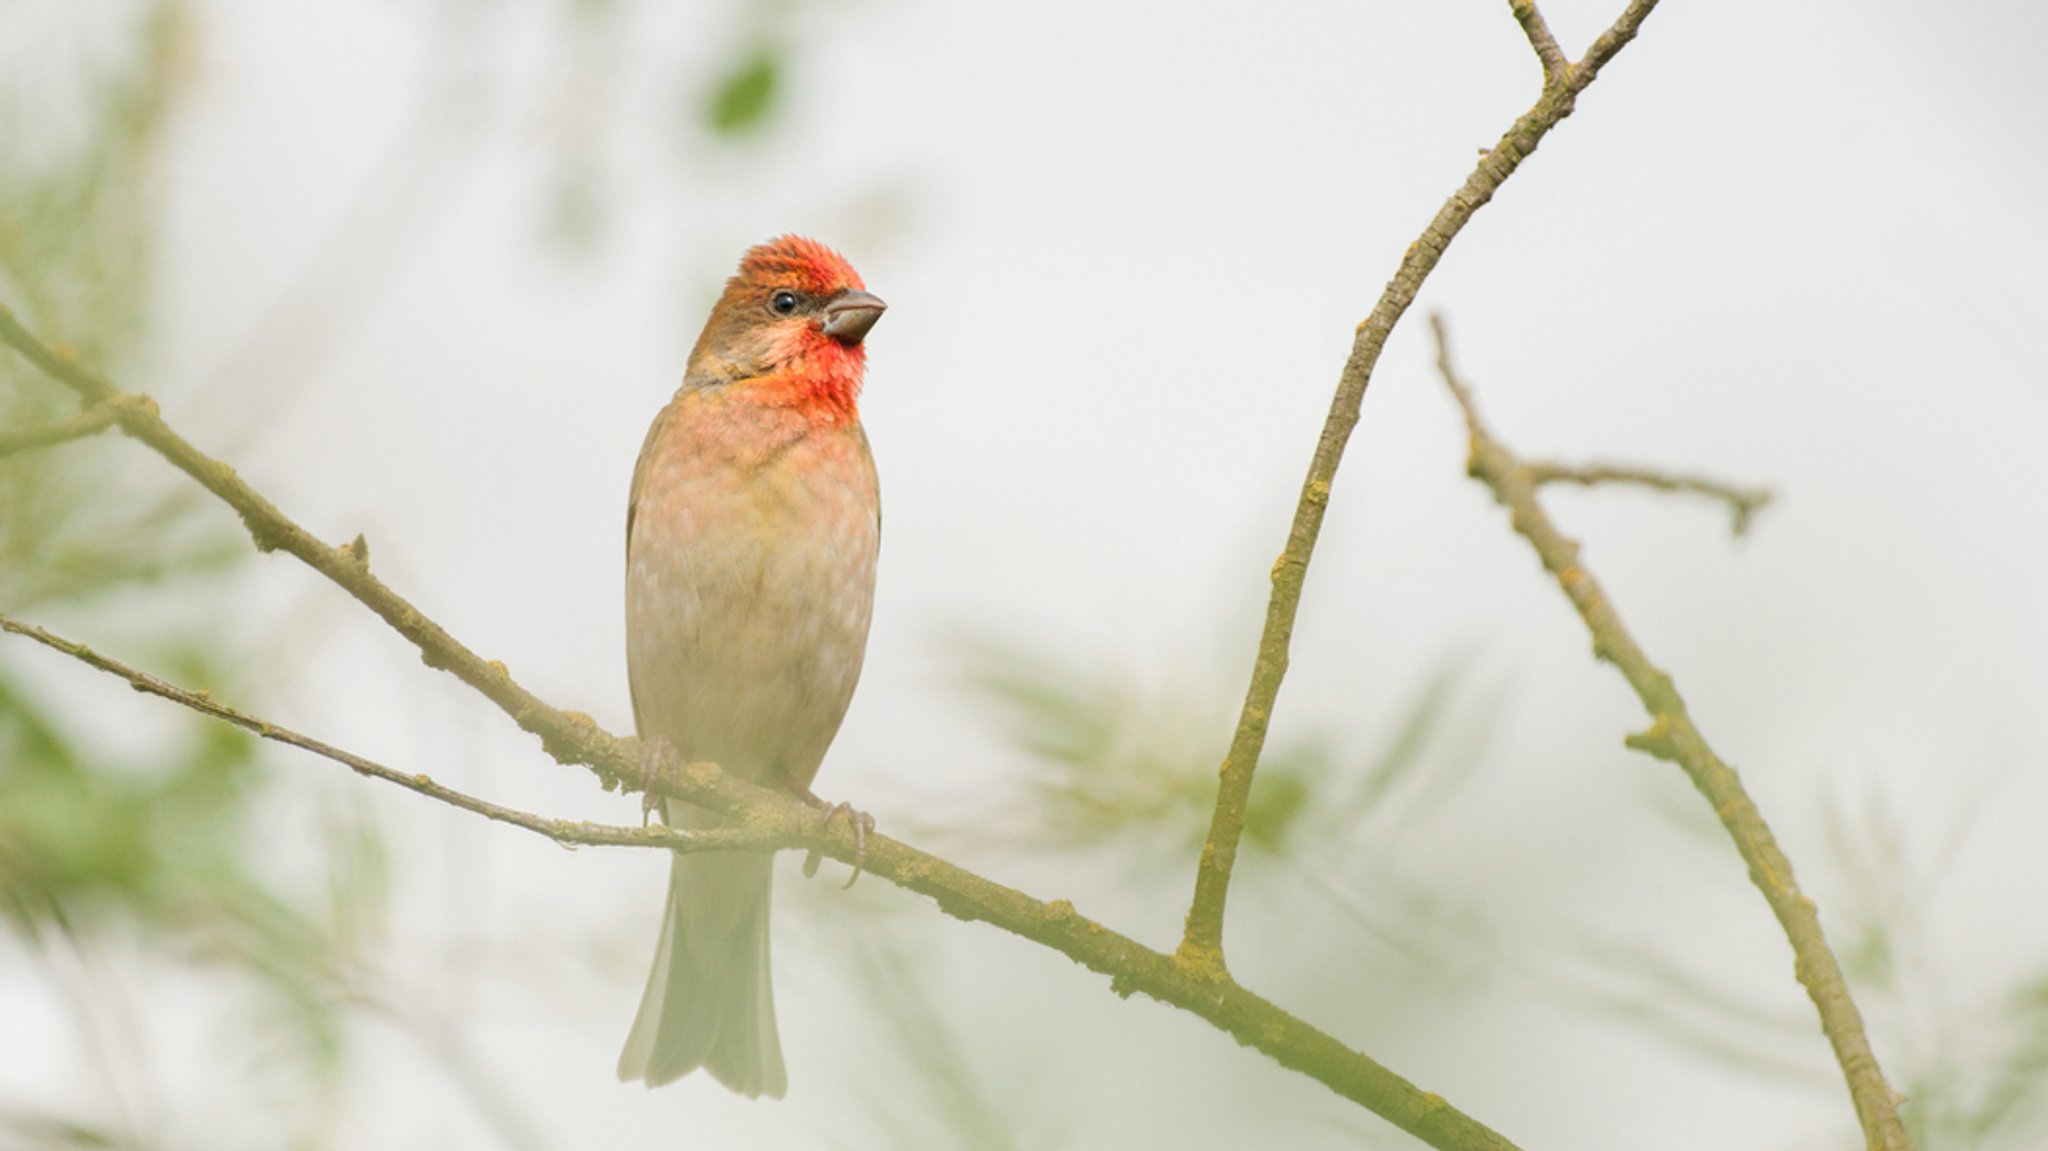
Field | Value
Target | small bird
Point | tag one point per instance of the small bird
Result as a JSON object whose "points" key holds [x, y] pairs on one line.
{"points": [[751, 539]]}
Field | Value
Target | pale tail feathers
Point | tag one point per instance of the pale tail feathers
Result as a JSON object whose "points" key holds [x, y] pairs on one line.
{"points": [[709, 1000]]}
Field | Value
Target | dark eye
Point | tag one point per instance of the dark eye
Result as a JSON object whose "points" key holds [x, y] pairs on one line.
{"points": [[783, 302]]}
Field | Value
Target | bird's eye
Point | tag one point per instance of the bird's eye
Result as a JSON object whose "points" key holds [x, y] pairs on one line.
{"points": [[783, 303]]}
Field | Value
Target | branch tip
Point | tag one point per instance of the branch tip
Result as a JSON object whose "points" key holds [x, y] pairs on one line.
{"points": [[90, 421], [1654, 740], [1556, 67]]}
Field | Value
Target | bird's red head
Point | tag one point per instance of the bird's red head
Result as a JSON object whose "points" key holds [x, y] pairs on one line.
{"points": [[798, 262], [791, 322]]}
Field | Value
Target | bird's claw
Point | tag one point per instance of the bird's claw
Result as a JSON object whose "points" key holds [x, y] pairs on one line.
{"points": [[661, 773], [862, 824]]}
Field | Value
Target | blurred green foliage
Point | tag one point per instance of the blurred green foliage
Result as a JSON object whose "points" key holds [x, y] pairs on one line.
{"points": [[77, 255], [1111, 766], [155, 848], [949, 1101], [1128, 775], [742, 100], [79, 837], [1107, 766], [1974, 1075], [746, 95], [76, 250]]}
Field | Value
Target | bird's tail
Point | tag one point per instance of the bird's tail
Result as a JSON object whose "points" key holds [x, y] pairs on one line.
{"points": [[709, 1002]]}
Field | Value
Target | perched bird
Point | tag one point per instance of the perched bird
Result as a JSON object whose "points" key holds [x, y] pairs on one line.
{"points": [[751, 539]]}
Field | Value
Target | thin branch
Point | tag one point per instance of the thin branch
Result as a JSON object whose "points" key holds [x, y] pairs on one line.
{"points": [[574, 739], [1672, 736], [1743, 503], [565, 832], [1202, 944], [1556, 68], [90, 422], [1609, 43], [567, 738]]}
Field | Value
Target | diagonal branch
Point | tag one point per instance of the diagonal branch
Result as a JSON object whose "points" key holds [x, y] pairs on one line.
{"points": [[571, 739], [347, 566], [1202, 945], [568, 833], [1672, 736], [1743, 503], [89, 422]]}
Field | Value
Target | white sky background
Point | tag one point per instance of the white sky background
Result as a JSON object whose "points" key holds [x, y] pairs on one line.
{"points": [[1124, 250]]}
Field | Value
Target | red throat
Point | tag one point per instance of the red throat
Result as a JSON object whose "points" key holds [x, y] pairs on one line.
{"points": [[820, 377]]}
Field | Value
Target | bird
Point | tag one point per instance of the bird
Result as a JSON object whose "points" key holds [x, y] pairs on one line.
{"points": [[752, 533]]}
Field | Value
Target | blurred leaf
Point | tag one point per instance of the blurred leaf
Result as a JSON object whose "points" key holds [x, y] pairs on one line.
{"points": [[1883, 892], [742, 101], [950, 1105], [1406, 752], [77, 256], [358, 866], [77, 217], [1107, 766], [1700, 1015], [1439, 743], [75, 833], [2014, 1095]]}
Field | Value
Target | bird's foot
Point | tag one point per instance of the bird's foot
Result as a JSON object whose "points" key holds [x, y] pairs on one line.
{"points": [[862, 824], [661, 773]]}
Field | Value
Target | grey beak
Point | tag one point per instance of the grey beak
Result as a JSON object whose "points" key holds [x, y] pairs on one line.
{"points": [[850, 314]]}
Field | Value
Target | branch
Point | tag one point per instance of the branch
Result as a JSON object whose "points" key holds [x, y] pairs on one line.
{"points": [[565, 832], [572, 739], [1743, 503], [90, 422], [1672, 736], [566, 738], [1556, 69], [1203, 942]]}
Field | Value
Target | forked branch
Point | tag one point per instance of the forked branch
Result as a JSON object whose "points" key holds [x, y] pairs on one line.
{"points": [[1672, 736], [1202, 944]]}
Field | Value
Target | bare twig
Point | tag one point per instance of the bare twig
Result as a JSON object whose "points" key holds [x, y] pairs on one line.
{"points": [[572, 739], [569, 833], [1556, 68], [1672, 736], [564, 737], [1743, 503], [1202, 944], [1609, 43], [90, 422]]}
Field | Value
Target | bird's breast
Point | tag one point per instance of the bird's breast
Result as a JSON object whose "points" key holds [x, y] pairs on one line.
{"points": [[750, 585]]}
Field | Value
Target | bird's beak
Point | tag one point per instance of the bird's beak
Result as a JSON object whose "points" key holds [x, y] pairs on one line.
{"points": [[850, 314]]}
